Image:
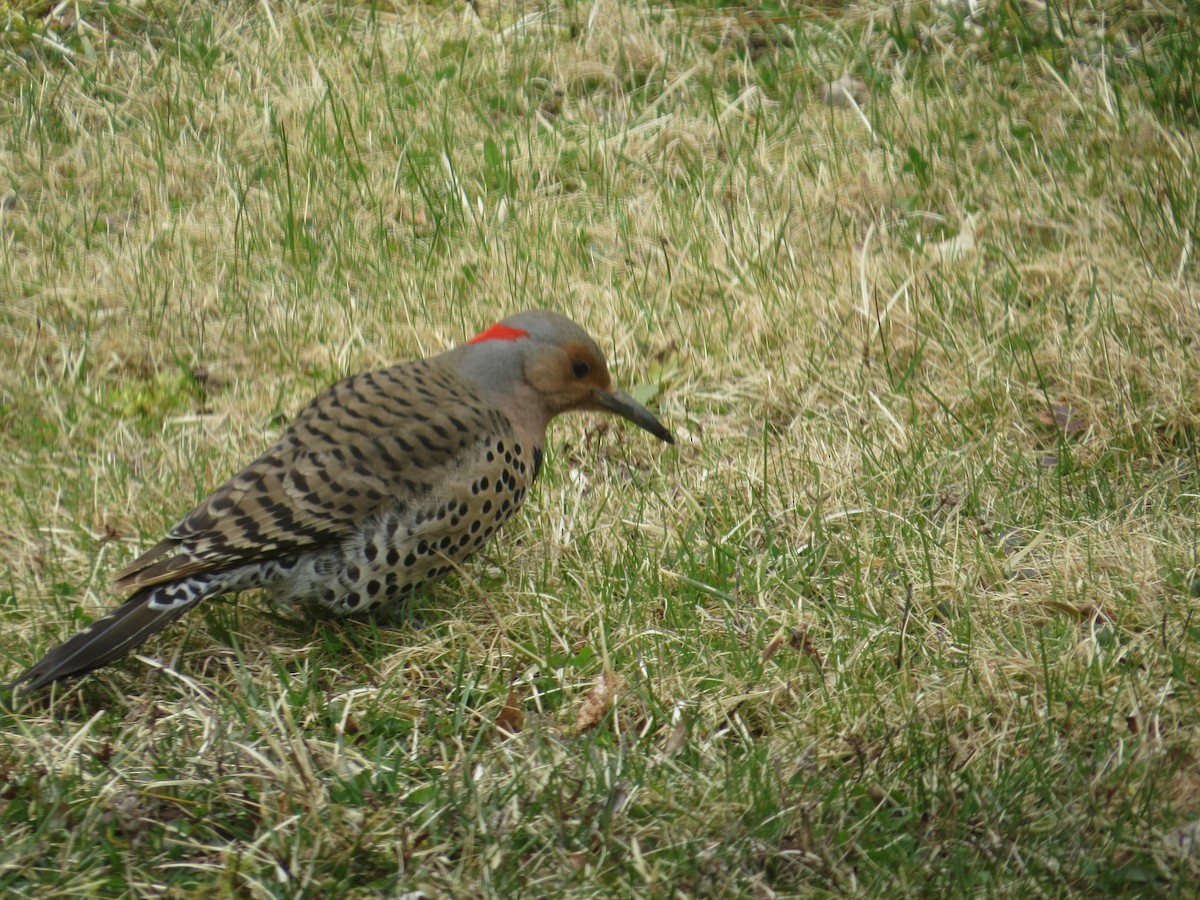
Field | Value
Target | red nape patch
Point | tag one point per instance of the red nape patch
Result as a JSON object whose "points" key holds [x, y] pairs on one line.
{"points": [[498, 332]]}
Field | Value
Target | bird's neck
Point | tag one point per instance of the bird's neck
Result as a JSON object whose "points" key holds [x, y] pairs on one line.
{"points": [[490, 370], [526, 412]]}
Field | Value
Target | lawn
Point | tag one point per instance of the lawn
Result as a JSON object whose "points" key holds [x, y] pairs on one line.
{"points": [[909, 609]]}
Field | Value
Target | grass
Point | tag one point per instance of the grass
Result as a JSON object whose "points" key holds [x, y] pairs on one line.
{"points": [[910, 609]]}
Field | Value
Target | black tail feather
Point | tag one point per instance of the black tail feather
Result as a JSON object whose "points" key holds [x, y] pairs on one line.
{"points": [[108, 638]]}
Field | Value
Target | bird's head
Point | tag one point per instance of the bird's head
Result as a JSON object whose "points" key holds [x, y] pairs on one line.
{"points": [[544, 358]]}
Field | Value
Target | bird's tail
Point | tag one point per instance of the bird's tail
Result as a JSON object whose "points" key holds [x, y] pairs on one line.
{"points": [[110, 637]]}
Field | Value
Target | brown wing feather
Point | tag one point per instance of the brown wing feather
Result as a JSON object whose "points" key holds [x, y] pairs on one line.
{"points": [[367, 443]]}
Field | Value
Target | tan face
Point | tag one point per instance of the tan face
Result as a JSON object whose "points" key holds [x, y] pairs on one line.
{"points": [[574, 376], [568, 376]]}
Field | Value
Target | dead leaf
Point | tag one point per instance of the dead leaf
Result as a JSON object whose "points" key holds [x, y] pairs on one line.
{"points": [[799, 640], [772, 648], [803, 642], [552, 107], [413, 214], [61, 18], [1063, 416], [599, 701], [512, 716], [677, 739]]}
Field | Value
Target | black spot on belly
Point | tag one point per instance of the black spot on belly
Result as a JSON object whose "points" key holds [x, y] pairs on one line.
{"points": [[537, 463]]}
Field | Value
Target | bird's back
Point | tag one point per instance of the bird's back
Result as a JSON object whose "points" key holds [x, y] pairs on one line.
{"points": [[376, 462]]}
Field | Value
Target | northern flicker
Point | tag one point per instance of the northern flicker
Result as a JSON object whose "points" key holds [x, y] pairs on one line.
{"points": [[385, 480]]}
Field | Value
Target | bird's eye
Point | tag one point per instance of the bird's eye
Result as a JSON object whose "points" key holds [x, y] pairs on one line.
{"points": [[580, 369]]}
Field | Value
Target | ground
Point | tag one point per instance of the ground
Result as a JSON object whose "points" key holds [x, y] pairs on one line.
{"points": [[910, 607]]}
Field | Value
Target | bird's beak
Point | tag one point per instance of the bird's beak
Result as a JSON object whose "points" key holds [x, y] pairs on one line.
{"points": [[627, 408]]}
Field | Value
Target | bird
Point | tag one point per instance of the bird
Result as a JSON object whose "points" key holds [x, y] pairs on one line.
{"points": [[384, 481]]}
